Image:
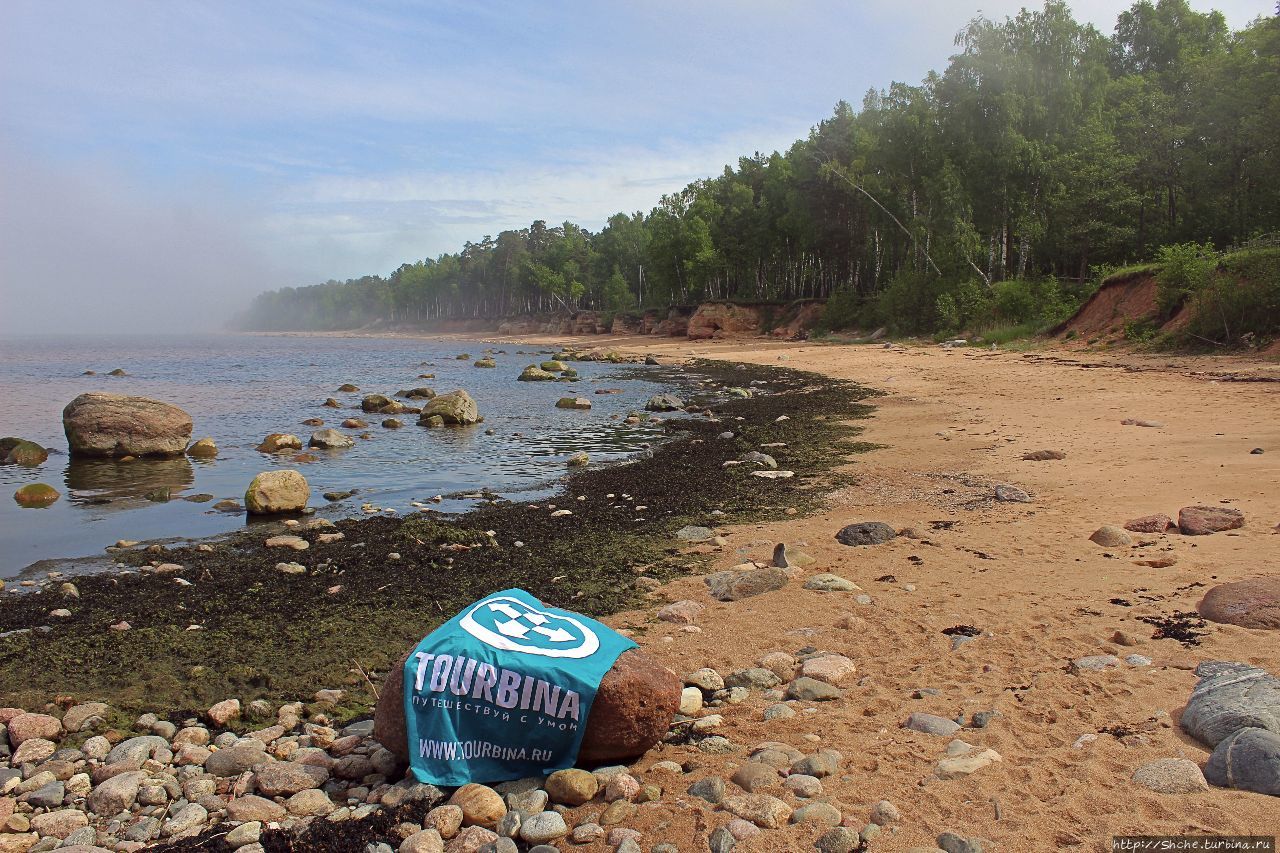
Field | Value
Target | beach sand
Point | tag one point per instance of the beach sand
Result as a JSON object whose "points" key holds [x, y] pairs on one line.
{"points": [[952, 423]]}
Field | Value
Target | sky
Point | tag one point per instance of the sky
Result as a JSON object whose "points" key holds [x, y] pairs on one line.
{"points": [[161, 161]]}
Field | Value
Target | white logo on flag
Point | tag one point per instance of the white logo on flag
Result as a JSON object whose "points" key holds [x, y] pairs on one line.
{"points": [[510, 624]]}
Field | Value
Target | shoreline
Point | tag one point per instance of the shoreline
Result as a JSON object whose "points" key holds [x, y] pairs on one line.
{"points": [[229, 589], [952, 424]]}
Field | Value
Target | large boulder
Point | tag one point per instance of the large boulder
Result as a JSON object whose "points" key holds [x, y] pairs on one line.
{"points": [[1248, 760], [866, 533], [277, 491], [99, 424], [1252, 603], [1203, 520], [1230, 696], [632, 710], [456, 407]]}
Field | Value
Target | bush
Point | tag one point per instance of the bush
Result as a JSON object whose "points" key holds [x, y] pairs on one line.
{"points": [[1185, 268], [909, 304], [1242, 303], [847, 309]]}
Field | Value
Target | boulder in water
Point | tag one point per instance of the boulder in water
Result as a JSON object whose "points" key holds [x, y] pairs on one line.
{"points": [[573, 403], [484, 362], [277, 491], [456, 407], [203, 448], [99, 424], [632, 710], [348, 388], [417, 393], [36, 495], [664, 403], [278, 441], [553, 366], [382, 404], [533, 374], [19, 451], [330, 439]]}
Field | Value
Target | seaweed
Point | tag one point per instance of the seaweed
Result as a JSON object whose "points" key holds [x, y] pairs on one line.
{"points": [[242, 628]]}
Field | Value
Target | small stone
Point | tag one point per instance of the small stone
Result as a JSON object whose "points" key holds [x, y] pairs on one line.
{"points": [[681, 612], [884, 813], [1011, 494], [705, 679], [960, 766], [827, 582], [710, 789], [765, 811], [224, 712], [1171, 776], [841, 839], [480, 804], [803, 785], [820, 813], [931, 724], [1109, 536], [619, 811], [1095, 663], [753, 776], [572, 787], [833, 669], [780, 711], [543, 828], [1205, 520], [811, 690]]}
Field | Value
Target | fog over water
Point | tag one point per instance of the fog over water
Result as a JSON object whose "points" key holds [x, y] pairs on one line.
{"points": [[86, 250]]}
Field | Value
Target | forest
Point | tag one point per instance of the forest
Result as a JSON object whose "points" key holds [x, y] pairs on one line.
{"points": [[999, 191]]}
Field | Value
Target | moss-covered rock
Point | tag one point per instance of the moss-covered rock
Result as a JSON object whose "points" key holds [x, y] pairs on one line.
{"points": [[203, 448], [533, 374], [553, 366], [277, 491], [456, 407], [36, 495], [19, 451]]}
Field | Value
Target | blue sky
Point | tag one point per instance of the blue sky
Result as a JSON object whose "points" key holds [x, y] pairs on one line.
{"points": [[149, 149]]}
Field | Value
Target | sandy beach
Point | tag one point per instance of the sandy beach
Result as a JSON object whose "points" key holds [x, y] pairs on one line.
{"points": [[952, 424]]}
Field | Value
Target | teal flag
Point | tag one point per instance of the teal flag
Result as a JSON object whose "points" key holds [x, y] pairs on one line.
{"points": [[503, 690]]}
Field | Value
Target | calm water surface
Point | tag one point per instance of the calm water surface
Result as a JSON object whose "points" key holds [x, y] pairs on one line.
{"points": [[238, 388]]}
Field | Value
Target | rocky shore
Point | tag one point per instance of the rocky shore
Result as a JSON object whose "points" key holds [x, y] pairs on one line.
{"points": [[976, 638]]}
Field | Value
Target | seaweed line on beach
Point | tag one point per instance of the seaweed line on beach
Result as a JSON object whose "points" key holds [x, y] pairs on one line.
{"points": [[266, 634]]}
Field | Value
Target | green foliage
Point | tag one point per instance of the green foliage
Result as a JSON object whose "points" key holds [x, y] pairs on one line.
{"points": [[1044, 152], [1241, 304], [1141, 331], [1185, 269], [846, 309]]}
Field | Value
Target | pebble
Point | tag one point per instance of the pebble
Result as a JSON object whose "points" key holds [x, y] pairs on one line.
{"points": [[1171, 776], [931, 724], [884, 813]]}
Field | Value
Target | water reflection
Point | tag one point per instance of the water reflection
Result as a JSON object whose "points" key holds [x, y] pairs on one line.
{"points": [[123, 485]]}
